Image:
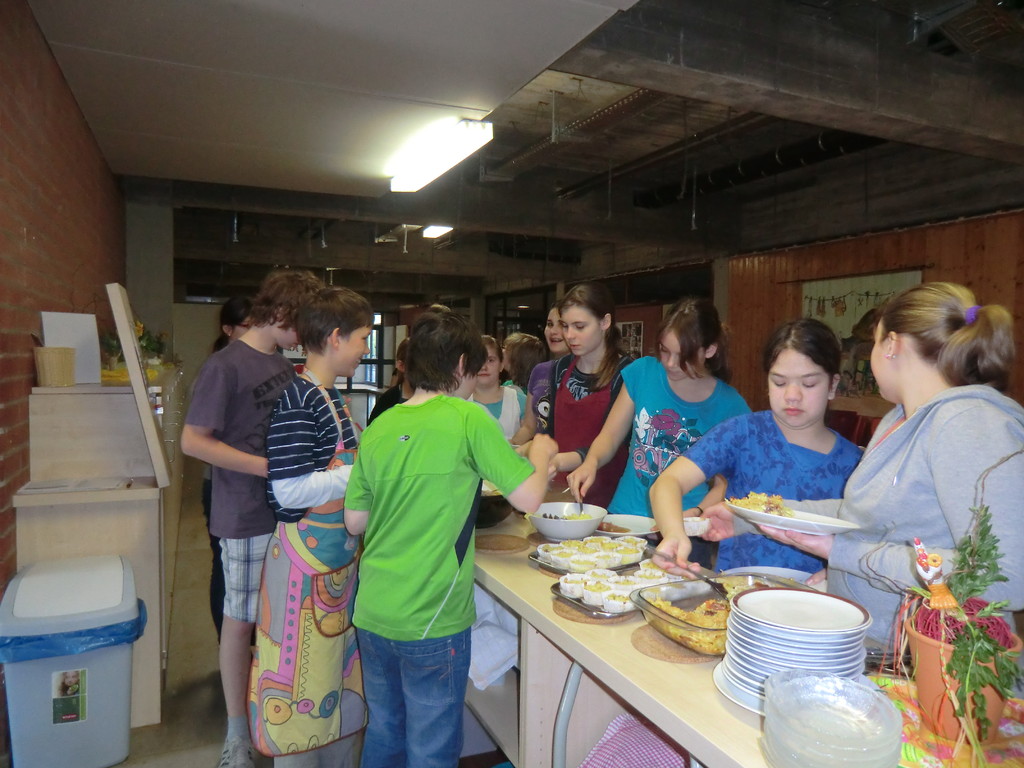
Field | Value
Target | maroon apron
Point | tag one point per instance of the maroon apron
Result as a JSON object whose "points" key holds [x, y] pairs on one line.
{"points": [[577, 423]]}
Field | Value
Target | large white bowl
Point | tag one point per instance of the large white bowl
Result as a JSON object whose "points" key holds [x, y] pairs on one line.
{"points": [[558, 528]]}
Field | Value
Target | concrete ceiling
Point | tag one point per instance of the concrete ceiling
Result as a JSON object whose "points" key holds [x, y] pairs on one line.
{"points": [[607, 113], [307, 95]]}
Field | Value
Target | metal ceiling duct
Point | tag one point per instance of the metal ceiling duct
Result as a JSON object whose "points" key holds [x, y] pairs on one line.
{"points": [[825, 146]]}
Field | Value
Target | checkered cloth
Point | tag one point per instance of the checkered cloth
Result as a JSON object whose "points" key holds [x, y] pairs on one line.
{"points": [[628, 743]]}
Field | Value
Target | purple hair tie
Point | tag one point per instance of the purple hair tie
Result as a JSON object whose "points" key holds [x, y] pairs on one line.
{"points": [[971, 314]]}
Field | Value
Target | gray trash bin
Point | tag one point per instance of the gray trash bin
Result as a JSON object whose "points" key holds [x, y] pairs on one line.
{"points": [[66, 629]]}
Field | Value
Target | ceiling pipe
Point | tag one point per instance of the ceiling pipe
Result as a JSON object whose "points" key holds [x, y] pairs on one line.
{"points": [[534, 154], [825, 146], [734, 128]]}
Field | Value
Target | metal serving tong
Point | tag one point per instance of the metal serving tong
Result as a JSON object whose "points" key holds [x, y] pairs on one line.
{"points": [[719, 588]]}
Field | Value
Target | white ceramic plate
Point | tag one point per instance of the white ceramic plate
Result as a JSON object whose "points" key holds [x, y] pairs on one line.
{"points": [[802, 609], [771, 570], [637, 525], [735, 694], [803, 522]]}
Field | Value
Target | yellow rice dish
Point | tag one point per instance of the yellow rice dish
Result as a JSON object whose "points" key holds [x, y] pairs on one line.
{"points": [[763, 502]]}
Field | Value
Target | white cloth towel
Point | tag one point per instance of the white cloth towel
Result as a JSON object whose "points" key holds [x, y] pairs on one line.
{"points": [[495, 647]]}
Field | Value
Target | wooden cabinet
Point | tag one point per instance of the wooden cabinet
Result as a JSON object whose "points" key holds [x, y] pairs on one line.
{"points": [[97, 467], [94, 491]]}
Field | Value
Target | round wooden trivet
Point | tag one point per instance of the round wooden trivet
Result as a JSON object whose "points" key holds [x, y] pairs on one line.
{"points": [[548, 572], [650, 642], [536, 539], [572, 613], [501, 542]]}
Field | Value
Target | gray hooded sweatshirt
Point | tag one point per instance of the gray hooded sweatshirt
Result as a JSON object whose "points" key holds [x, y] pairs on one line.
{"points": [[921, 480]]}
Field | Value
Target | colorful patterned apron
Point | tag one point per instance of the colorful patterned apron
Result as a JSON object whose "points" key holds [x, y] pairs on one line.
{"points": [[577, 423], [306, 685]]}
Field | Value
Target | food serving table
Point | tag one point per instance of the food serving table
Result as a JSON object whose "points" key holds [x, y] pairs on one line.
{"points": [[680, 699]]}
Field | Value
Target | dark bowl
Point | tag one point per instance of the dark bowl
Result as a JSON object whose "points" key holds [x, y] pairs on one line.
{"points": [[493, 509]]}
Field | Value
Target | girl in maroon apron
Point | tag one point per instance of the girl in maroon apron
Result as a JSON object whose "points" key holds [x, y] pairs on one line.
{"points": [[581, 404]]}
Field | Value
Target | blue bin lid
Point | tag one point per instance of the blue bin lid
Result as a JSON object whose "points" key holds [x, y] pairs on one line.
{"points": [[56, 596]]}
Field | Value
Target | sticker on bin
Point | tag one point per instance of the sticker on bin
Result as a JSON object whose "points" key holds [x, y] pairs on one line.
{"points": [[69, 696]]}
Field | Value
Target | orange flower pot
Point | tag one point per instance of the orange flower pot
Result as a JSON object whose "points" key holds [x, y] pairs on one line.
{"points": [[930, 658]]}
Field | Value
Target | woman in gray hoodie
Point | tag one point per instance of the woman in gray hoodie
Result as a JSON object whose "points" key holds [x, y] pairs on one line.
{"points": [[952, 442]]}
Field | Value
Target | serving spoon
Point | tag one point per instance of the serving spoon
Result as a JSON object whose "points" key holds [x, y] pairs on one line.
{"points": [[719, 588], [716, 586]]}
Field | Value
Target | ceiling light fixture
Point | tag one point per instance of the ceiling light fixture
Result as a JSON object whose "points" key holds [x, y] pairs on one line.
{"points": [[434, 150], [436, 230]]}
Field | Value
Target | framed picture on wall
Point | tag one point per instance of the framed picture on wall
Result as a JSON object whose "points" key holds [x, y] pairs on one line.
{"points": [[849, 307], [633, 337]]}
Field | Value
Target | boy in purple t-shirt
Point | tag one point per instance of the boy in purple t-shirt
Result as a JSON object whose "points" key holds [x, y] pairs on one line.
{"points": [[226, 426]]}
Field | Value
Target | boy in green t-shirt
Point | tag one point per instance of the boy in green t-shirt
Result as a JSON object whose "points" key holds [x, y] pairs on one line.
{"points": [[415, 489]]}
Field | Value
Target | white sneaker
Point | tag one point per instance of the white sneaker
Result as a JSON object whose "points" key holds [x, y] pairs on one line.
{"points": [[237, 754]]}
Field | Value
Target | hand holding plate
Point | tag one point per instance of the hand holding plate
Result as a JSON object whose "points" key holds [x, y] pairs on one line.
{"points": [[819, 545], [721, 523]]}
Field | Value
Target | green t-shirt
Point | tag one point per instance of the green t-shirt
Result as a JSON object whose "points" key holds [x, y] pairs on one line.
{"points": [[418, 473]]}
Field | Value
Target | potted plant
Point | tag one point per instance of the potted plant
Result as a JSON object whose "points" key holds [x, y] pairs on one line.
{"points": [[964, 652], [111, 346]]}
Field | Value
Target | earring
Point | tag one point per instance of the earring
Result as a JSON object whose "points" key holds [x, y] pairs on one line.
{"points": [[890, 356]]}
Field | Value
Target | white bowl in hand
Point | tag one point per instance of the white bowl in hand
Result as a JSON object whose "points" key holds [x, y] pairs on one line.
{"points": [[552, 520]]}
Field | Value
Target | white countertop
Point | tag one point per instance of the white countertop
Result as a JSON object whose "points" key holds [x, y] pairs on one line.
{"points": [[681, 699]]}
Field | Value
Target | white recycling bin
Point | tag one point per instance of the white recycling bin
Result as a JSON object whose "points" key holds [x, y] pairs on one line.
{"points": [[66, 634]]}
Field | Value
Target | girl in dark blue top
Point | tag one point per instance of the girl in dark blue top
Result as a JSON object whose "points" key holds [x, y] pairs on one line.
{"points": [[787, 450]]}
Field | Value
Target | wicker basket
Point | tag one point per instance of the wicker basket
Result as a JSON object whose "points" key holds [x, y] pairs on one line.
{"points": [[55, 366]]}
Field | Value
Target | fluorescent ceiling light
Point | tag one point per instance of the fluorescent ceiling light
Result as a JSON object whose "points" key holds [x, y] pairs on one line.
{"points": [[433, 150], [436, 230]]}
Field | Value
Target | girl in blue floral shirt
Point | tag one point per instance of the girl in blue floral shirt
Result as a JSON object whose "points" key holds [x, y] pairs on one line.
{"points": [[787, 450]]}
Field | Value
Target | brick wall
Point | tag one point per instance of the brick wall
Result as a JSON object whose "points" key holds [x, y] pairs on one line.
{"points": [[61, 238], [61, 230]]}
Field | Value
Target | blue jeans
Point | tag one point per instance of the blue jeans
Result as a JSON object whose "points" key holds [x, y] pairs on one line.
{"points": [[415, 691]]}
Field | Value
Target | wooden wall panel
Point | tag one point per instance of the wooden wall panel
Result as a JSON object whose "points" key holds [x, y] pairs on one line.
{"points": [[765, 288]]}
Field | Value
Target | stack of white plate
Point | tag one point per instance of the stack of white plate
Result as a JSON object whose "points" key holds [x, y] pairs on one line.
{"points": [[770, 630]]}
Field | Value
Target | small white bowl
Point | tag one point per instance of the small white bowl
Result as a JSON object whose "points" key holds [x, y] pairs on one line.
{"points": [[696, 526], [557, 528]]}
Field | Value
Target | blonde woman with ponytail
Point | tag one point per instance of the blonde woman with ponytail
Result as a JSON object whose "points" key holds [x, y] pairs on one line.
{"points": [[942, 358]]}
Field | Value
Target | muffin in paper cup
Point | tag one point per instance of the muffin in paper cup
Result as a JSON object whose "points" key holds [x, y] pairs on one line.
{"points": [[597, 541], [581, 563], [616, 602], [594, 592], [571, 585], [601, 574], [607, 559], [696, 526], [574, 544], [560, 558], [544, 551], [651, 576], [633, 540], [626, 584], [630, 554]]}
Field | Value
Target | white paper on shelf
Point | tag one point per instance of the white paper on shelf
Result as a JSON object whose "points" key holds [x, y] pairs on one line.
{"points": [[67, 329]]}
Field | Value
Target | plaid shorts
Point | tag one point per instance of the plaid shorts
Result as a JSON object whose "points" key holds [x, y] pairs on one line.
{"points": [[243, 569]]}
